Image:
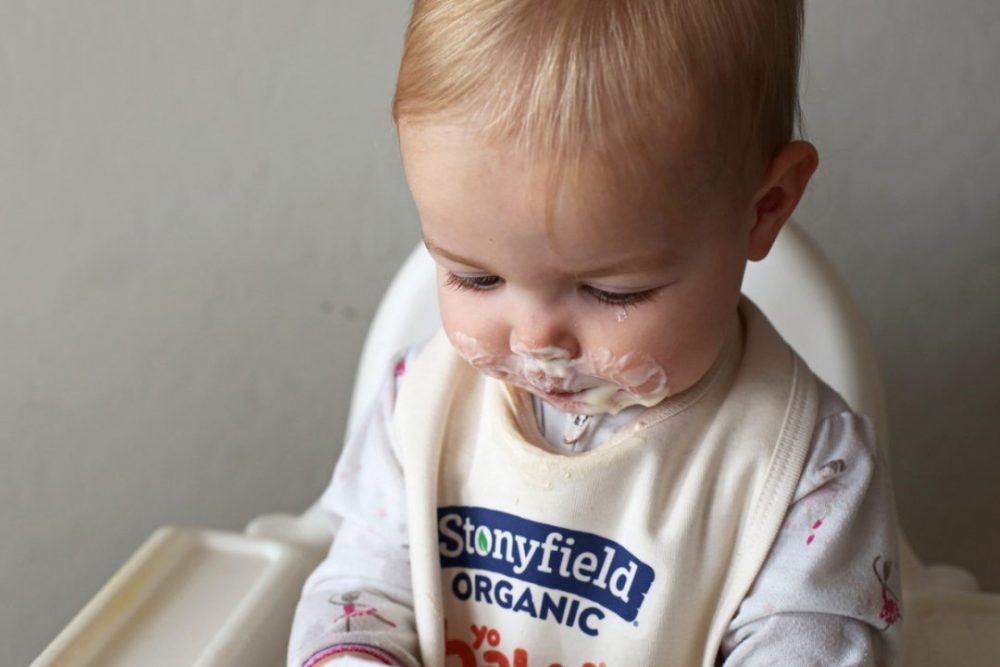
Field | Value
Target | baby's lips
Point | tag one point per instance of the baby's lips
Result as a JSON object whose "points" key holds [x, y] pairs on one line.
{"points": [[558, 385], [552, 388]]}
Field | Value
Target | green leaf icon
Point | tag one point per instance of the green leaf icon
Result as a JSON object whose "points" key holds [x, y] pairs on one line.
{"points": [[483, 540]]}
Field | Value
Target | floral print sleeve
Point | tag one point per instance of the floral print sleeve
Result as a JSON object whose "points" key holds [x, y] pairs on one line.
{"points": [[829, 592], [358, 602]]}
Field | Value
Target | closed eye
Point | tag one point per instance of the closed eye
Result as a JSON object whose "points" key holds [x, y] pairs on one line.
{"points": [[620, 298], [476, 283], [489, 282]]}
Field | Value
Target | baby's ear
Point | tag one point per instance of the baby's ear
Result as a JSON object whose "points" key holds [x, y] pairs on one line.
{"points": [[780, 193]]}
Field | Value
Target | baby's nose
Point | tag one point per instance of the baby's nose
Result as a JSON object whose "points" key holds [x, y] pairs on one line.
{"points": [[541, 330]]}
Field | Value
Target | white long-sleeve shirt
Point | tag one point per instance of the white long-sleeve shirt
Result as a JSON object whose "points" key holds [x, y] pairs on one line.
{"points": [[827, 595]]}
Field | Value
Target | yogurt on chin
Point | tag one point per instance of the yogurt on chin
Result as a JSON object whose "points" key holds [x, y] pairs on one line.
{"points": [[597, 382]]}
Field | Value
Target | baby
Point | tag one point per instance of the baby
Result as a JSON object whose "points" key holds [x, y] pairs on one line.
{"points": [[608, 456]]}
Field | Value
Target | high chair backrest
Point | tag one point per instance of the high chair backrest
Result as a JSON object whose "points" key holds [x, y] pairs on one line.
{"points": [[796, 287]]}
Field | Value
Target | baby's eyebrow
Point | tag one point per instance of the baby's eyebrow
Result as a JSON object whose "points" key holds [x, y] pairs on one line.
{"points": [[630, 265], [641, 265], [438, 250]]}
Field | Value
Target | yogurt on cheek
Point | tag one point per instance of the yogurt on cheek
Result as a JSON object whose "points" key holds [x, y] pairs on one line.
{"points": [[595, 383], [631, 379]]}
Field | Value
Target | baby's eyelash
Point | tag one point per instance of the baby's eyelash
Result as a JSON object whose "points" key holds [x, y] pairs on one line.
{"points": [[487, 283], [476, 283], [621, 299]]}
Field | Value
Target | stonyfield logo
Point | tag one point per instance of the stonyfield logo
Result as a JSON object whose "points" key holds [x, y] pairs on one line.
{"points": [[584, 565]]}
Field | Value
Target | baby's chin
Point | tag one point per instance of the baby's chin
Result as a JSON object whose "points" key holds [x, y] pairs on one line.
{"points": [[605, 399]]}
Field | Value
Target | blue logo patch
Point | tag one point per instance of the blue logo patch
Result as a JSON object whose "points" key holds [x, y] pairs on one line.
{"points": [[583, 564]]}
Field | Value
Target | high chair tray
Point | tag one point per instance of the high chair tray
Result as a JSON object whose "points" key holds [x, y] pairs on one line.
{"points": [[190, 597]]}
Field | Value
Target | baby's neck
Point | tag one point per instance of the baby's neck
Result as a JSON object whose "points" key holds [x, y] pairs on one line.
{"points": [[565, 432]]}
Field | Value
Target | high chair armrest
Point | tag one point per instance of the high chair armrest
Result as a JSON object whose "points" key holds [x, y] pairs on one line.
{"points": [[308, 530]]}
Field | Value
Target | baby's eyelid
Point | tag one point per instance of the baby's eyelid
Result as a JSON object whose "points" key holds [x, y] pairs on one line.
{"points": [[619, 291], [621, 299], [471, 275], [476, 282], [609, 290]]}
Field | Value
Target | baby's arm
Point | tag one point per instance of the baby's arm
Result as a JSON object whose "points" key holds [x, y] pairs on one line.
{"points": [[829, 592], [348, 659], [356, 607], [351, 660]]}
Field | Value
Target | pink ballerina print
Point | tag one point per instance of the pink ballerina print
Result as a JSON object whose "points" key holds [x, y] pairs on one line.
{"points": [[890, 601], [354, 610], [821, 501]]}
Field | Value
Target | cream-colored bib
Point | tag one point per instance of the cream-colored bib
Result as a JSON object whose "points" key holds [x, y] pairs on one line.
{"points": [[637, 553]]}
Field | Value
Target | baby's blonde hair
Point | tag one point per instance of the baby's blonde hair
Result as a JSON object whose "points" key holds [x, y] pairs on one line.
{"points": [[612, 79]]}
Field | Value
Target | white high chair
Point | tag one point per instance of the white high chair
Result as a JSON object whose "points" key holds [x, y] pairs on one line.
{"points": [[213, 599]]}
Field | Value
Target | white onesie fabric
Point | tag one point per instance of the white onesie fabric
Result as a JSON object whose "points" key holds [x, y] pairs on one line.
{"points": [[826, 595]]}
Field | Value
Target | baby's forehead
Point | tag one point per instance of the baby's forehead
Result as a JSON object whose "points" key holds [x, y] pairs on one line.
{"points": [[469, 189], [654, 196], [670, 166]]}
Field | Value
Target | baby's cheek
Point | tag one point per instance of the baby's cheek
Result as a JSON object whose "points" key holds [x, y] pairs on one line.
{"points": [[467, 346], [463, 338], [648, 381], [689, 365], [479, 355], [453, 317], [655, 381]]}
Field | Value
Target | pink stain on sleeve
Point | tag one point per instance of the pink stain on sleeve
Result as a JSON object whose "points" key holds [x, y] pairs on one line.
{"points": [[400, 368]]}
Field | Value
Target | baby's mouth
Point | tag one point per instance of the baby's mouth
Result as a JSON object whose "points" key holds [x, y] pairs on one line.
{"points": [[561, 394], [555, 392], [558, 389], [595, 384], [552, 386]]}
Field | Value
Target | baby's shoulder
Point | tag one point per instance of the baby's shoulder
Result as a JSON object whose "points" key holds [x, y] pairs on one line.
{"points": [[844, 450]]}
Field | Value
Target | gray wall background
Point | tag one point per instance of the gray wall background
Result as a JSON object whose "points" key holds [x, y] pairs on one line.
{"points": [[201, 203]]}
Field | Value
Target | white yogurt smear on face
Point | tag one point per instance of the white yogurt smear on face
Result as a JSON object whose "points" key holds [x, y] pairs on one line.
{"points": [[605, 383]]}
